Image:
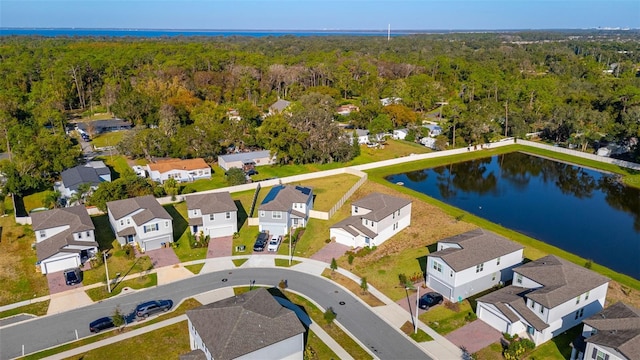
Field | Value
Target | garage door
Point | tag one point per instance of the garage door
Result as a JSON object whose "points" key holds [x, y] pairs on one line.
{"points": [[438, 286], [219, 232], [156, 243], [341, 237], [55, 265], [274, 229], [492, 319]]}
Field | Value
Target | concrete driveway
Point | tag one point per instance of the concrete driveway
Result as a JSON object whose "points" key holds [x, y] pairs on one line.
{"points": [[474, 336]]}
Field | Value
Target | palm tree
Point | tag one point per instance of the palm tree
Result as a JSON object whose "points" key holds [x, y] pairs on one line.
{"points": [[52, 199], [80, 195]]}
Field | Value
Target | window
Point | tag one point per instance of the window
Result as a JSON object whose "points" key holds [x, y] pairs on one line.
{"points": [[121, 222], [261, 213], [394, 215], [437, 266], [395, 226], [355, 209], [212, 217], [128, 221], [578, 300], [541, 309], [43, 233], [398, 212], [493, 278], [88, 234], [79, 235], [498, 261], [599, 355], [451, 273], [530, 330], [479, 267], [586, 296], [579, 313], [166, 224], [150, 228], [228, 215], [276, 214], [519, 279], [195, 212], [533, 304]]}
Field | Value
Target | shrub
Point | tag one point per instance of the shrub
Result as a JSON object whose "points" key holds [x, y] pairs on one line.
{"points": [[453, 306], [329, 315], [402, 279], [129, 251], [588, 264], [350, 257], [418, 276], [517, 349], [326, 241], [470, 316]]}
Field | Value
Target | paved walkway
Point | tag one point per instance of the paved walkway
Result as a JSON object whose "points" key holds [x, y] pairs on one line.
{"points": [[474, 336]]}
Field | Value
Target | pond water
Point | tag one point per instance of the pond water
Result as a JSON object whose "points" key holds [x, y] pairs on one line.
{"points": [[582, 211]]}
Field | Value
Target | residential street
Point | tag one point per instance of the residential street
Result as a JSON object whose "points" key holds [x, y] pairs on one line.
{"points": [[377, 335]]}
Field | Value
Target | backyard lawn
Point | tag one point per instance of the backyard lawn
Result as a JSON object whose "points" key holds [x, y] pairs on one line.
{"points": [[182, 247], [111, 138]]}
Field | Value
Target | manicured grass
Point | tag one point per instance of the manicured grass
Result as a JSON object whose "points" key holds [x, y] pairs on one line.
{"points": [[354, 287], [329, 190], [420, 336], [117, 163], [195, 268], [239, 262], [556, 348], [35, 200], [38, 309], [181, 231], [112, 138], [445, 318], [491, 352], [186, 305], [18, 275], [141, 282], [316, 349], [285, 262]]}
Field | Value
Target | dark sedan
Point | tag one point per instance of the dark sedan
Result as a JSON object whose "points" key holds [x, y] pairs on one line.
{"points": [[430, 299], [101, 324]]}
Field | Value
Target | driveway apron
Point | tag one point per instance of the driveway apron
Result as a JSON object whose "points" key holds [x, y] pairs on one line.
{"points": [[474, 336]]}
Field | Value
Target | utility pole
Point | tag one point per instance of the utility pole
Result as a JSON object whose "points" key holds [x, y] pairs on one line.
{"points": [[506, 117], [290, 231], [417, 309], [106, 270]]}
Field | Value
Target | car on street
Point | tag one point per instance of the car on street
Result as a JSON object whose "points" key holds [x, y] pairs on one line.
{"points": [[73, 276], [261, 242], [430, 299], [101, 324], [148, 308], [274, 243]]}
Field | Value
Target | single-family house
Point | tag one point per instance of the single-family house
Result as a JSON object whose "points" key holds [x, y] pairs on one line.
{"points": [[246, 160], [65, 238], [101, 126], [252, 325], [547, 297], [93, 172], [390, 101], [180, 170], [140, 220], [433, 129], [278, 106], [611, 334], [400, 134], [216, 215], [428, 142], [347, 109], [363, 136], [233, 115], [285, 207], [374, 219], [472, 262]]}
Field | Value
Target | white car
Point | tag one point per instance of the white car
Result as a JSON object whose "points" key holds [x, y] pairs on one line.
{"points": [[274, 243]]}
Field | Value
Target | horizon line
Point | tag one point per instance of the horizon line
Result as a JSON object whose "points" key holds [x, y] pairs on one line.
{"points": [[605, 28]]}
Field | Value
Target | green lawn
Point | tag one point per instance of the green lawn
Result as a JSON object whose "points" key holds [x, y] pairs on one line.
{"points": [[194, 268], [141, 282], [112, 138], [444, 319], [38, 309], [556, 348], [117, 163], [35, 200], [329, 190], [182, 248]]}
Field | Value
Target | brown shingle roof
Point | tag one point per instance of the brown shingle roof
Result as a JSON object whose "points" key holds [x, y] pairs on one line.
{"points": [[78, 220], [477, 246], [381, 205], [178, 164], [282, 197], [243, 324], [211, 203], [619, 328], [122, 208], [561, 280]]}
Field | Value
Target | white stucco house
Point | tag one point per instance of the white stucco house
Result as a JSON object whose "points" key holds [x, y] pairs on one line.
{"points": [[141, 220], [611, 334], [216, 215], [65, 238], [252, 325], [246, 160], [178, 169], [374, 219], [400, 134], [472, 262], [285, 207], [390, 101], [548, 296]]}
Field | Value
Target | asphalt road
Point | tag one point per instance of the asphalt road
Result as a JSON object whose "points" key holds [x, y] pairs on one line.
{"points": [[382, 339]]}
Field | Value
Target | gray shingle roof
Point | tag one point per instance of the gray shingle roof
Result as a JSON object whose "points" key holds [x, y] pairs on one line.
{"points": [[282, 197], [478, 246], [561, 280], [72, 178], [619, 328], [153, 209], [381, 205], [245, 156], [194, 355], [243, 324], [511, 302], [78, 220], [279, 105], [353, 225], [211, 203]]}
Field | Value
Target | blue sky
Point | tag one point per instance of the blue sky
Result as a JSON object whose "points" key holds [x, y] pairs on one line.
{"points": [[321, 14]]}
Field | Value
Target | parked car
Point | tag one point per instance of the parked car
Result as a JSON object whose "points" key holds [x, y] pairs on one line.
{"points": [[151, 307], [261, 242], [73, 276], [251, 172], [274, 243], [101, 324], [429, 299]]}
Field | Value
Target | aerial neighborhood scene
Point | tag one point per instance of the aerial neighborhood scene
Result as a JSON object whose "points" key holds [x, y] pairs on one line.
{"points": [[320, 180]]}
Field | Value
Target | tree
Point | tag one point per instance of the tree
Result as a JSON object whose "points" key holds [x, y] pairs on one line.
{"points": [[363, 285], [118, 318], [329, 315], [334, 265], [52, 199], [235, 176], [171, 188], [80, 195]]}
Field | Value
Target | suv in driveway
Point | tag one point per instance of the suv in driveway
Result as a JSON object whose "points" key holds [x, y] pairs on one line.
{"points": [[261, 242], [430, 299], [151, 307], [274, 243], [73, 276]]}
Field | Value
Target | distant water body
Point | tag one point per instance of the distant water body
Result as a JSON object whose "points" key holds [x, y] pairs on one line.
{"points": [[150, 33]]}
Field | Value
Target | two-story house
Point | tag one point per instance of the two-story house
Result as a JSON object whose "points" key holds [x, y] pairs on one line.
{"points": [[141, 220], [216, 215], [285, 207], [65, 238], [374, 219], [252, 325], [472, 262], [180, 170], [547, 297], [611, 334]]}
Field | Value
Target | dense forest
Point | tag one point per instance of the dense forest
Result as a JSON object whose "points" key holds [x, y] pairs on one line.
{"points": [[581, 89]]}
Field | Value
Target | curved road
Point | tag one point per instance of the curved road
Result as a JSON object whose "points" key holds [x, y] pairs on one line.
{"points": [[379, 337]]}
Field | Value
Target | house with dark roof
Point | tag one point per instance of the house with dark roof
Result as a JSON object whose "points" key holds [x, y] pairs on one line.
{"points": [[472, 262], [611, 334], [246, 160], [279, 106], [547, 297], [141, 220], [181, 170], [215, 215], [285, 207], [101, 126], [93, 172], [374, 219], [252, 325], [65, 238]]}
